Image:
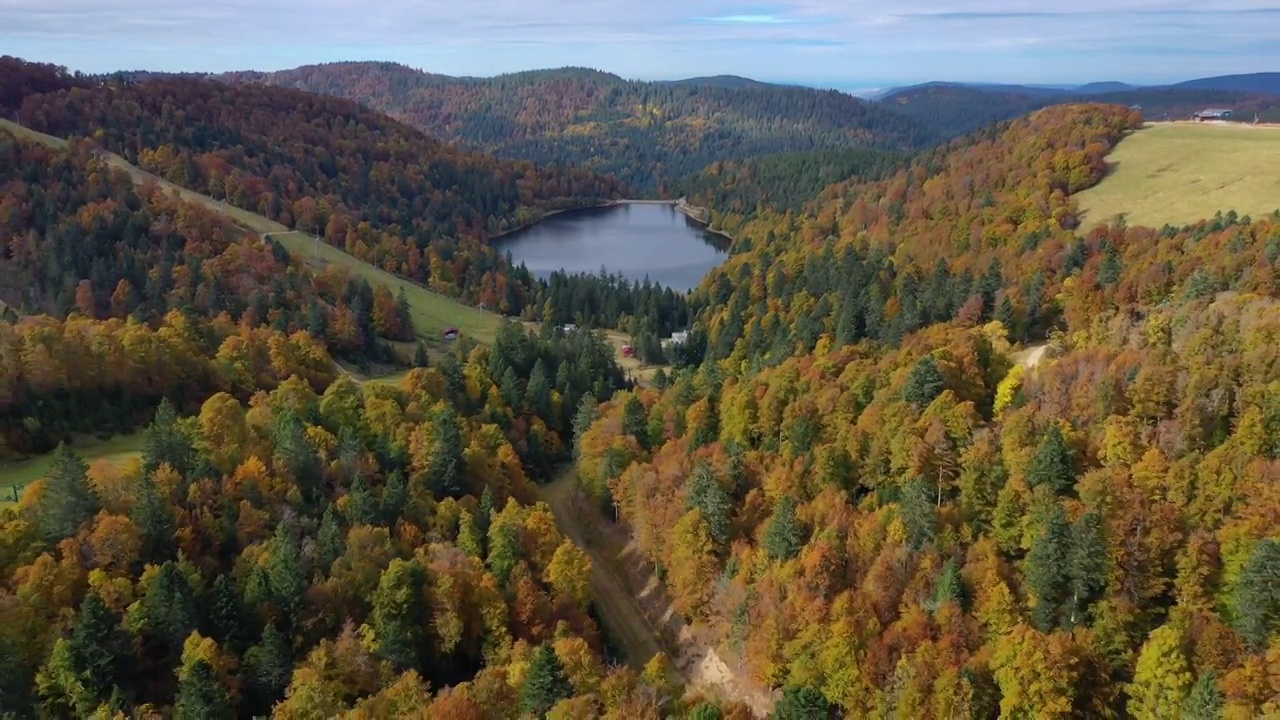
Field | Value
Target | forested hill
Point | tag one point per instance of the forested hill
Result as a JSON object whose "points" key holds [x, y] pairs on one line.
{"points": [[379, 189], [952, 110], [648, 134], [860, 486]]}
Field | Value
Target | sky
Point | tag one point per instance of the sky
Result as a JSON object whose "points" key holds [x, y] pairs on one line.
{"points": [[858, 45]]}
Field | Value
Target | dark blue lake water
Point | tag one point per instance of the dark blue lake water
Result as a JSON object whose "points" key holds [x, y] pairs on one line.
{"points": [[633, 240]]}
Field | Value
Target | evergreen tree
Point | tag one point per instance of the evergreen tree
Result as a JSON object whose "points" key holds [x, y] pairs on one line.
{"points": [[287, 578], [1086, 566], [1007, 316], [399, 615], [68, 499], [545, 683], [1204, 702], [170, 609], [802, 703], [295, 453], [151, 514], [166, 443], [484, 512], [504, 550], [420, 357], [950, 586], [268, 666], [201, 695], [1048, 569], [395, 493], [705, 711], [1051, 464], [226, 618], [635, 420], [538, 391], [924, 383], [362, 508], [784, 535], [706, 494], [919, 513], [100, 649], [330, 540], [588, 410], [445, 469], [1258, 595]]}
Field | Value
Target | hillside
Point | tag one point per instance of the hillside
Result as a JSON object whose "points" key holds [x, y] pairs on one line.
{"points": [[862, 488], [1264, 83], [951, 110], [649, 135], [1180, 173]]}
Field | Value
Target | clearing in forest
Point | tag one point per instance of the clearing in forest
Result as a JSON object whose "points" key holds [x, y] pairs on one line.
{"points": [[1181, 172], [15, 475]]}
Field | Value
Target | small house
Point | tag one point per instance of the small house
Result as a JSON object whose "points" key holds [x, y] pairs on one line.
{"points": [[451, 334], [568, 328], [1213, 114], [628, 351]]}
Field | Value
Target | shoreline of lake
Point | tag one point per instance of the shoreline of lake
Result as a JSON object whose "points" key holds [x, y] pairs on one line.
{"points": [[693, 212]]}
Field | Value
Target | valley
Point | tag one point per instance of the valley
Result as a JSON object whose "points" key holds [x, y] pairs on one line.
{"points": [[979, 418]]}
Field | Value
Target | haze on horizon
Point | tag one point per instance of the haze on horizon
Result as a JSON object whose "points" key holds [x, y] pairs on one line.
{"points": [[836, 43]]}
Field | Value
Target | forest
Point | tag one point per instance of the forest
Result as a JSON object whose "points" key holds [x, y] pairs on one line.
{"points": [[649, 135], [930, 449], [871, 498]]}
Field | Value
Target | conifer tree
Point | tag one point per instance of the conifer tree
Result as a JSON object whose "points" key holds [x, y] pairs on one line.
{"points": [[226, 618], [68, 499], [706, 494], [1204, 701], [201, 695], [635, 420], [802, 703], [1051, 464], [399, 617], [330, 539], [919, 513], [924, 383], [784, 535], [582, 419], [1086, 566], [362, 508], [151, 514], [268, 666], [166, 443], [285, 573], [100, 649], [1048, 570], [395, 493], [545, 683], [445, 470], [1258, 595]]}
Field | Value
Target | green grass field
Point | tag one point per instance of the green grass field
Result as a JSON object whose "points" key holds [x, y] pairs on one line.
{"points": [[431, 312], [1178, 173], [26, 471]]}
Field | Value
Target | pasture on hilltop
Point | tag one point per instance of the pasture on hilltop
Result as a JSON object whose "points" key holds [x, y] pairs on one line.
{"points": [[1179, 173]]}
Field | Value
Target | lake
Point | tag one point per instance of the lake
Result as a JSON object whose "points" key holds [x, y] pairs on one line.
{"points": [[634, 240]]}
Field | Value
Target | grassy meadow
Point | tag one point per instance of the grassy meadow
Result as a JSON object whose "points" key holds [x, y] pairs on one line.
{"points": [[23, 472], [1181, 172]]}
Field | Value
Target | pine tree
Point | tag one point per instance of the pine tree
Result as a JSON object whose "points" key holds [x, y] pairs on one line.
{"points": [[504, 550], [445, 470], [288, 579], [1258, 595], [68, 499], [924, 384], [1047, 569], [706, 494], [100, 649], [399, 616], [802, 703], [538, 391], [588, 410], [201, 695], [1051, 464], [395, 493], [226, 616], [362, 509], [420, 357], [919, 513], [1204, 702], [784, 535], [545, 683], [170, 608], [151, 514], [330, 540], [165, 442], [950, 586], [268, 666], [1086, 566], [635, 420]]}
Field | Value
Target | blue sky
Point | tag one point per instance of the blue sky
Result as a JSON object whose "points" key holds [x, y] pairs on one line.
{"points": [[853, 44]]}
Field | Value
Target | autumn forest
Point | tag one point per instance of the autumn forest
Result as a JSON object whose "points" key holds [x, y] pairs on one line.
{"points": [[934, 447]]}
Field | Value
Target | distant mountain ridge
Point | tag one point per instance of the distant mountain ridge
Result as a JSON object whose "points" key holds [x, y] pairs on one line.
{"points": [[651, 135]]}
